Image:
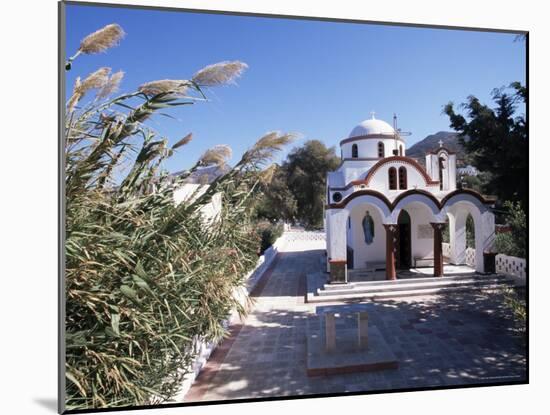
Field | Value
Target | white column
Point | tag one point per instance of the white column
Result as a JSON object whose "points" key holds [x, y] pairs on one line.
{"points": [[488, 225], [327, 237], [452, 171], [485, 237], [336, 225], [457, 238], [337, 254]]}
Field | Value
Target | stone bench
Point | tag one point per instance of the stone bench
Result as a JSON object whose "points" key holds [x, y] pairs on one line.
{"points": [[330, 313], [353, 354]]}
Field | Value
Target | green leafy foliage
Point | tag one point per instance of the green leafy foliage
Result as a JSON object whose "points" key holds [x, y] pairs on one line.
{"points": [[277, 201], [144, 276], [496, 141], [268, 234], [514, 299], [478, 183], [470, 232], [307, 169], [297, 191], [513, 243], [445, 233]]}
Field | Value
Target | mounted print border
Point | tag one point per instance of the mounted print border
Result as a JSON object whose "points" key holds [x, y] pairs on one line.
{"points": [[245, 216]]}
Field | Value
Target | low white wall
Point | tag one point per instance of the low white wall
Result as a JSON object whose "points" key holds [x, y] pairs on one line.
{"points": [[513, 266], [508, 265], [203, 349], [471, 257], [290, 236]]}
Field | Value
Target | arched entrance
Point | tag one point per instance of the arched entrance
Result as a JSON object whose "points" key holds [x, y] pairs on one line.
{"points": [[404, 245], [471, 231]]}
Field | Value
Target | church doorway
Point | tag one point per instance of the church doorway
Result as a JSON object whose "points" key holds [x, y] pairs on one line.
{"points": [[403, 246]]}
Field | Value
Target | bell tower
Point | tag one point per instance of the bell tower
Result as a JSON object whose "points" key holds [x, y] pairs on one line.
{"points": [[441, 166]]}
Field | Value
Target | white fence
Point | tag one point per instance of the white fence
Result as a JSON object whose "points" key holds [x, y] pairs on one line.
{"points": [[513, 266], [291, 236], [470, 257], [507, 265]]}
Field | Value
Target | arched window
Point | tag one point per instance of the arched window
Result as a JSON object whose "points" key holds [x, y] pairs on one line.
{"points": [[470, 232], [368, 228], [380, 149], [392, 178], [354, 151], [402, 177], [401, 150], [441, 168]]}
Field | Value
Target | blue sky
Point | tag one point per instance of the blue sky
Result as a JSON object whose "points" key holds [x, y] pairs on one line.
{"points": [[318, 79]]}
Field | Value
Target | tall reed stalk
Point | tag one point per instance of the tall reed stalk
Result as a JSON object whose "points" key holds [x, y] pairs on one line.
{"points": [[144, 277]]}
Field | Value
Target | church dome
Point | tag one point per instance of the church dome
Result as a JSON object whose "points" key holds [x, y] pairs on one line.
{"points": [[372, 126]]}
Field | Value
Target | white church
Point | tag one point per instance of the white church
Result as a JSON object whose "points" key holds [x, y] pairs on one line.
{"points": [[385, 211]]}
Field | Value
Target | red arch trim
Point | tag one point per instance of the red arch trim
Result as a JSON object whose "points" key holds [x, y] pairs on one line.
{"points": [[483, 199], [403, 159], [367, 192], [391, 205], [383, 161]]}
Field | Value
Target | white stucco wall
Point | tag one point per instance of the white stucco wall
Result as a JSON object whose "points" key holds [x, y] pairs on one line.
{"points": [[449, 172], [422, 246], [415, 179], [356, 169], [432, 167], [189, 192], [421, 243], [369, 147], [459, 207], [336, 234], [380, 180], [362, 253]]}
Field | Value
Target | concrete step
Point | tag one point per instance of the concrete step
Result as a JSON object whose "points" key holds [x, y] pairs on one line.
{"points": [[406, 281], [406, 288], [382, 267], [413, 285], [399, 281]]}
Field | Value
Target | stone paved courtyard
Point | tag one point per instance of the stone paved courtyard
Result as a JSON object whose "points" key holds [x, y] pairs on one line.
{"points": [[443, 340]]}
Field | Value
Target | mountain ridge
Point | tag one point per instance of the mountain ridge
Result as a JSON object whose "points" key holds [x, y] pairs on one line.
{"points": [[449, 139]]}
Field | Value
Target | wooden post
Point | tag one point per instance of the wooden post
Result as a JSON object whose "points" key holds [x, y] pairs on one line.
{"points": [[438, 251], [391, 231]]}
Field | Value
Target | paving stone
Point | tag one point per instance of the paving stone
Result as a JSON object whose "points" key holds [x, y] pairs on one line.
{"points": [[456, 339]]}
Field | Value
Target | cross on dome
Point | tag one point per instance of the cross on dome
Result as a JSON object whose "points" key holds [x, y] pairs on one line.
{"points": [[440, 143], [372, 113]]}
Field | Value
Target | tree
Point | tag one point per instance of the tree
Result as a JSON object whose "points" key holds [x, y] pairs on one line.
{"points": [[477, 183], [145, 277], [496, 141], [277, 201], [513, 243], [306, 168]]}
